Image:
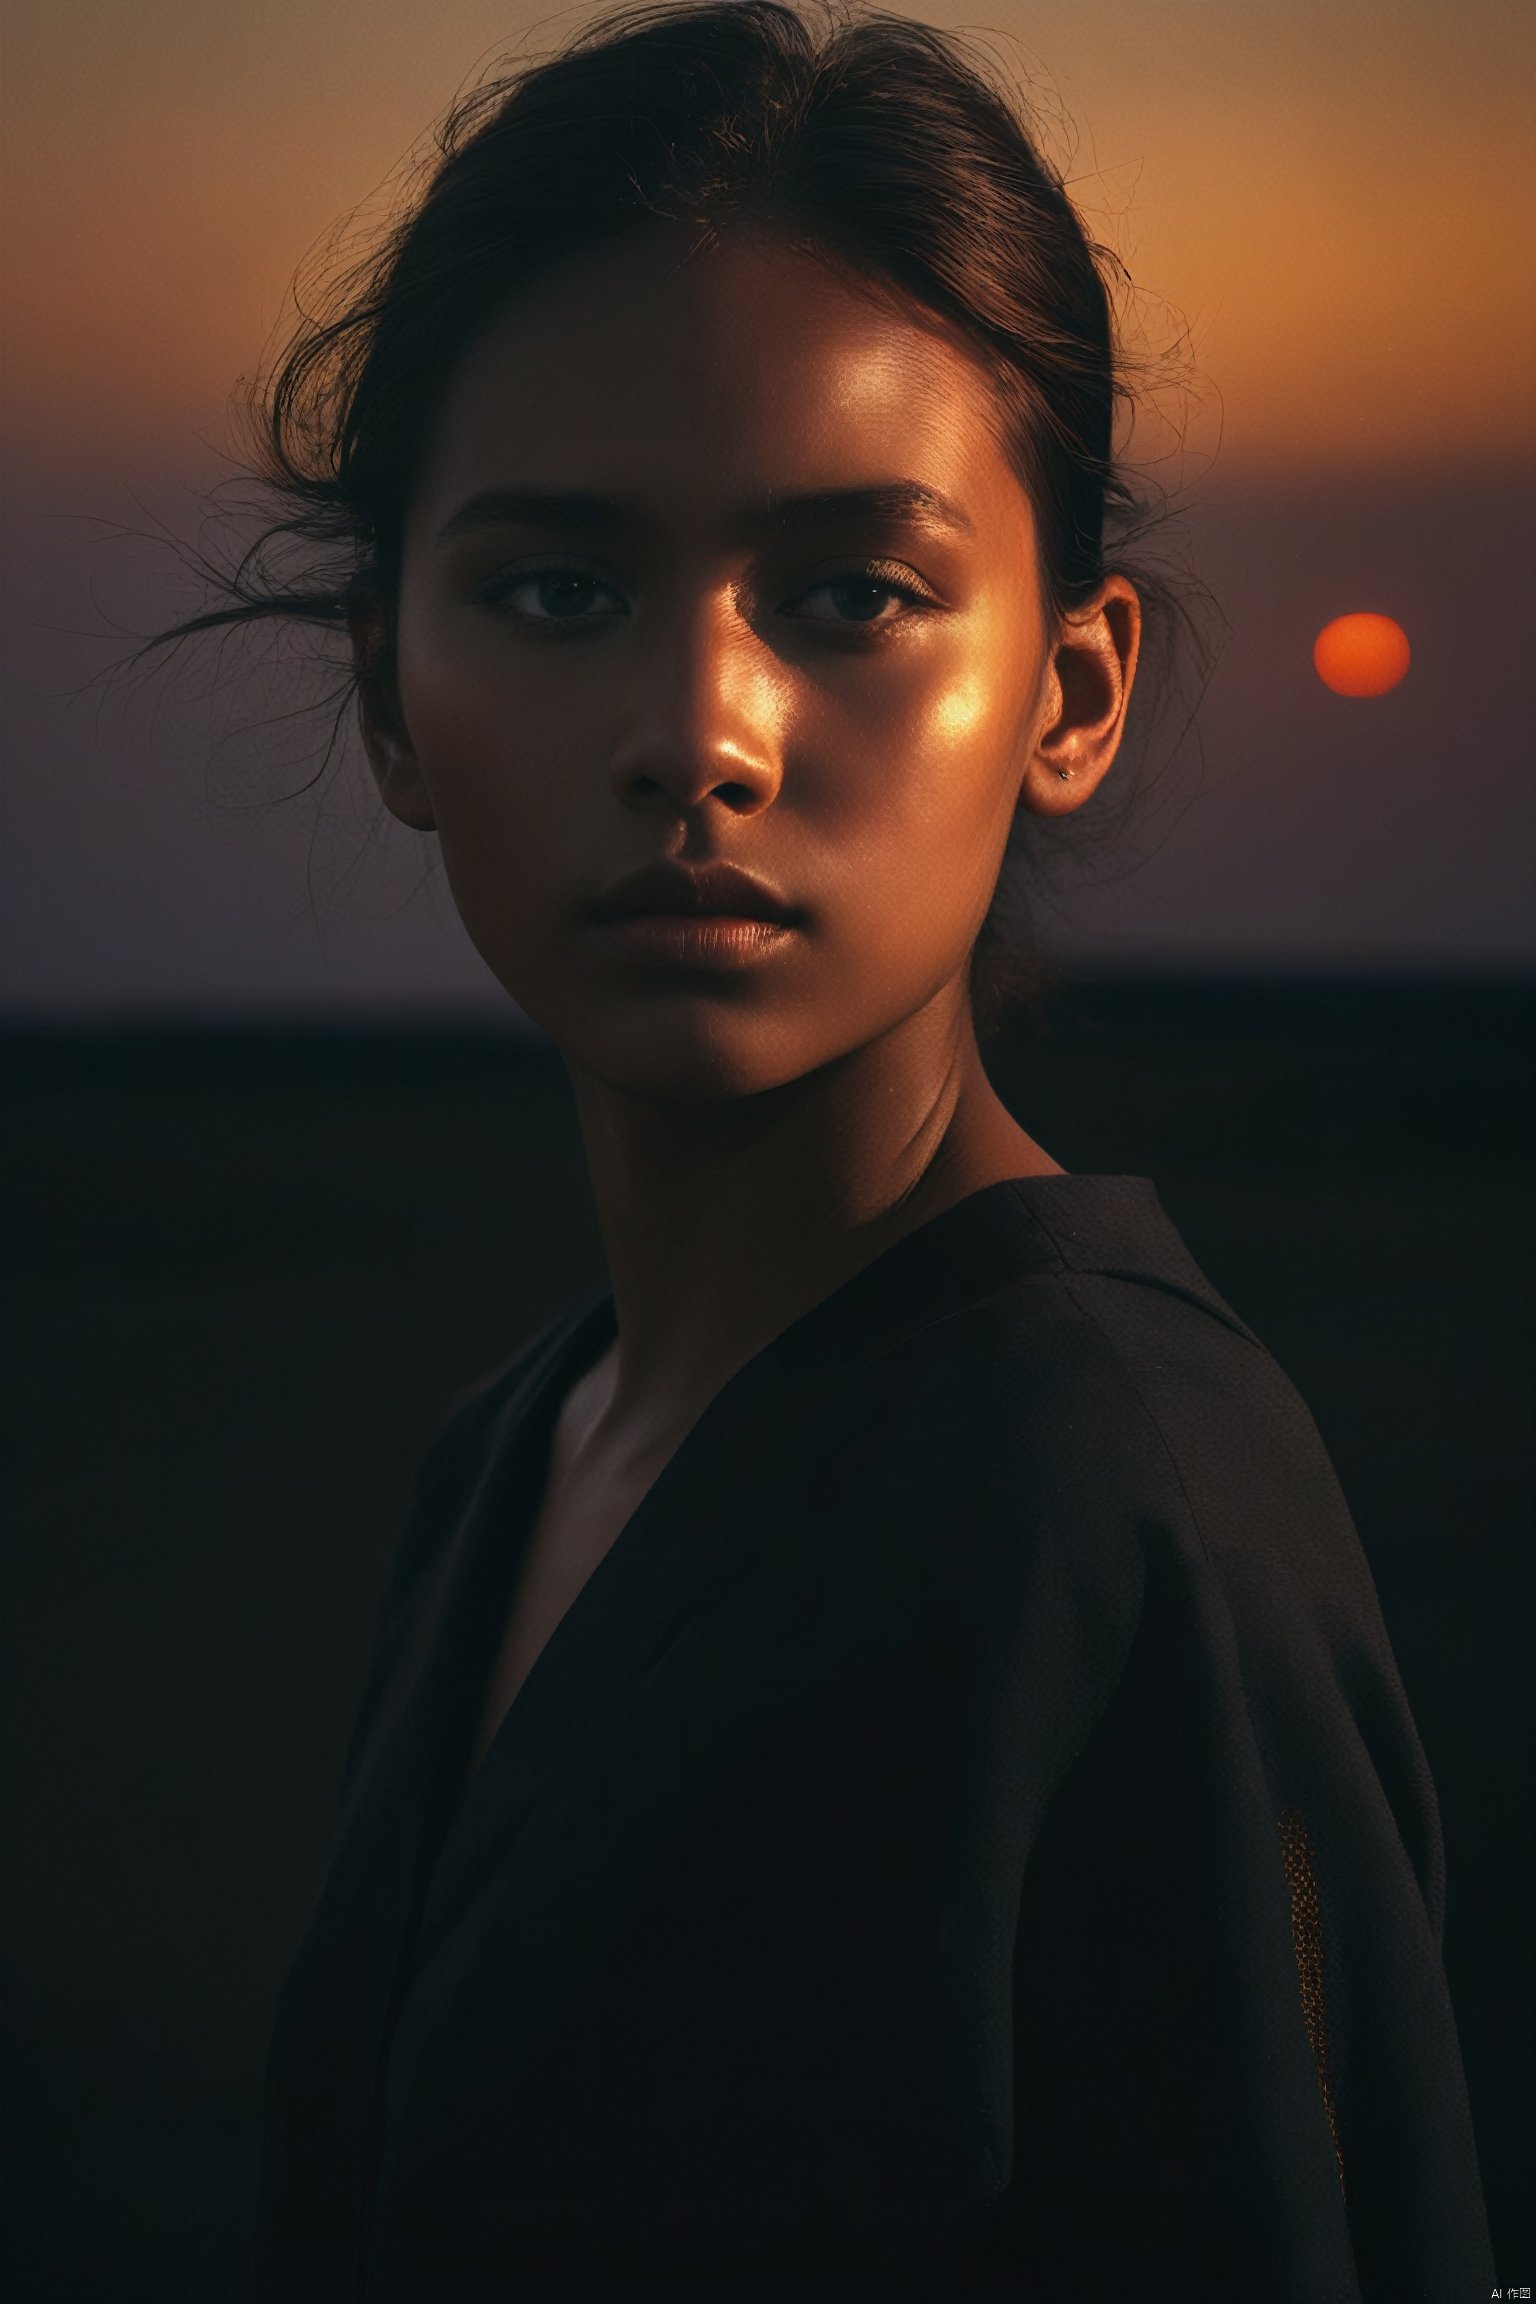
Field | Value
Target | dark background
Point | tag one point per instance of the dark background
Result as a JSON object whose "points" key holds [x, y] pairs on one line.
{"points": [[248, 1267]]}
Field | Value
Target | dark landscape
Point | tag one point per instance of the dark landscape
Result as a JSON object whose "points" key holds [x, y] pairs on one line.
{"points": [[248, 1266]]}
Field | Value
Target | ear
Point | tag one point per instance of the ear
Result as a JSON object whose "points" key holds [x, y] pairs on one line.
{"points": [[1087, 688], [386, 739]]}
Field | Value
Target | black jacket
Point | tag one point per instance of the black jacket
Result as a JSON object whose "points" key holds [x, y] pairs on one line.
{"points": [[966, 1840]]}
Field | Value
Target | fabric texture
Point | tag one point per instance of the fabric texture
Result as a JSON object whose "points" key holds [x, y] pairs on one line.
{"points": [[967, 1839]]}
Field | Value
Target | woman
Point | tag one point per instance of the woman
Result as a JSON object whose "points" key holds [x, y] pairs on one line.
{"points": [[882, 1774]]}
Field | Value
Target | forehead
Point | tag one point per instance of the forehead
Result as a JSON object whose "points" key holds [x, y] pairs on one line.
{"points": [[697, 378]]}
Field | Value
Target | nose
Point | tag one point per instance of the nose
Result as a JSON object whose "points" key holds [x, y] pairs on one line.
{"points": [[705, 714]]}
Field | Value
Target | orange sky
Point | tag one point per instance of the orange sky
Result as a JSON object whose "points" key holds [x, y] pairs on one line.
{"points": [[1338, 194]]}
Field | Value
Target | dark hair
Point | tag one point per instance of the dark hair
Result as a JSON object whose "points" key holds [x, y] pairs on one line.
{"points": [[862, 137]]}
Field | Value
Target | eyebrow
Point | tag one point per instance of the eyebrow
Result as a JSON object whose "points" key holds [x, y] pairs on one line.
{"points": [[891, 501]]}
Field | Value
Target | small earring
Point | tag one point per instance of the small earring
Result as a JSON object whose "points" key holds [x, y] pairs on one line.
{"points": [[1064, 773]]}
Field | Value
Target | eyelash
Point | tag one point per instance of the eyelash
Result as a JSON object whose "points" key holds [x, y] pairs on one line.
{"points": [[880, 575]]}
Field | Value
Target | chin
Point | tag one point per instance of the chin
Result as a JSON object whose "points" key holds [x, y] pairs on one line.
{"points": [[700, 1051]]}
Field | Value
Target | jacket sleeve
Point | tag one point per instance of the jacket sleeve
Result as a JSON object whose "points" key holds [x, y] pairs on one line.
{"points": [[1237, 2073]]}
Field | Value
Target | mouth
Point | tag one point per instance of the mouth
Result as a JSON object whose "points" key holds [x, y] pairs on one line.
{"points": [[672, 890], [714, 916], [715, 940]]}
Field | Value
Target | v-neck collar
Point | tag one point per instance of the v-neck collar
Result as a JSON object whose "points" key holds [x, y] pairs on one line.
{"points": [[659, 1566]]}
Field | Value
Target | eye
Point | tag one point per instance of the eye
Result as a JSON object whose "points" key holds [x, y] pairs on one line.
{"points": [[550, 595], [861, 595]]}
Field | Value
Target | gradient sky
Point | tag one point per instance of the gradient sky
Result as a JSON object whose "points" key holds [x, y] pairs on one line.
{"points": [[1337, 198]]}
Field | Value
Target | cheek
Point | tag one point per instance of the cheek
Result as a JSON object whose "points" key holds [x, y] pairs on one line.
{"points": [[918, 799], [494, 784], [501, 787]]}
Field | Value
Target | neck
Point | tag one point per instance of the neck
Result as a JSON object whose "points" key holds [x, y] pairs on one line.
{"points": [[723, 1222]]}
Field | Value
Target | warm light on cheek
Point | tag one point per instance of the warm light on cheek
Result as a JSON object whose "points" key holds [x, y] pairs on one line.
{"points": [[960, 711]]}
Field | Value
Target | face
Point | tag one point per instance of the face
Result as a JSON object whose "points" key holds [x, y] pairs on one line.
{"points": [[720, 560]]}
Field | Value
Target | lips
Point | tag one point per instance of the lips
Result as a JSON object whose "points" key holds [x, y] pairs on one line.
{"points": [[692, 889]]}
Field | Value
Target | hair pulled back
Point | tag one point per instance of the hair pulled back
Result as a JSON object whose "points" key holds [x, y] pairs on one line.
{"points": [[860, 136]]}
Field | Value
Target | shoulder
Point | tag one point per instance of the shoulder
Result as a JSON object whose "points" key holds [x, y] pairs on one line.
{"points": [[468, 1423], [1155, 1372], [468, 1439], [1105, 1387], [1062, 1375], [1124, 1441]]}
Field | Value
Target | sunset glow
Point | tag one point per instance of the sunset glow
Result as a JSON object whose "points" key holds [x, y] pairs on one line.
{"points": [[167, 168], [1362, 655]]}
